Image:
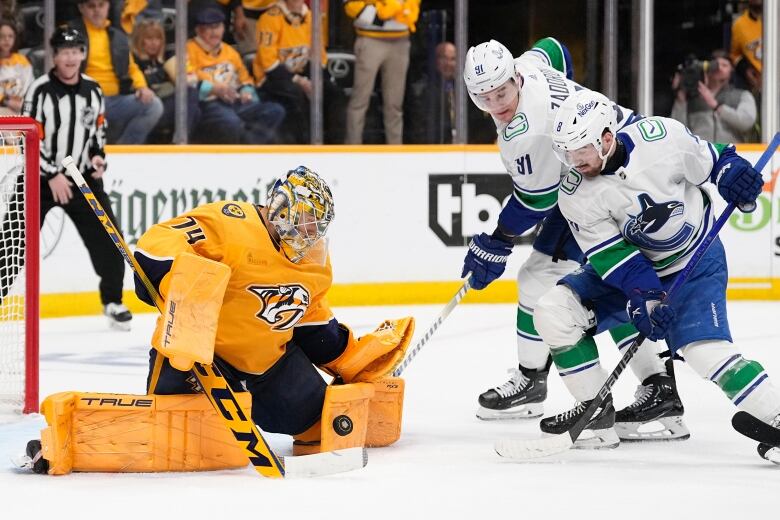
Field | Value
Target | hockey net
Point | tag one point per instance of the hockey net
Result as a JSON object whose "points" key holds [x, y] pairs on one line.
{"points": [[19, 264]]}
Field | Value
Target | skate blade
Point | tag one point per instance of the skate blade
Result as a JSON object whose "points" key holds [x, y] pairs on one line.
{"points": [[597, 440], [123, 326], [22, 462], [772, 455], [663, 429], [525, 411]]}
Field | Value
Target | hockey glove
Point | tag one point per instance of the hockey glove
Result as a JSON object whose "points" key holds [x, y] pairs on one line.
{"points": [[739, 183], [486, 259], [651, 317]]}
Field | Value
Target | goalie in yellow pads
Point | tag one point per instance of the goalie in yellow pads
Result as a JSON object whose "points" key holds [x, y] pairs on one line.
{"points": [[245, 288]]}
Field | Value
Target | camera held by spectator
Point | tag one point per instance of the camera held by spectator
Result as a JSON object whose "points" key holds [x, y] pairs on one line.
{"points": [[691, 72]]}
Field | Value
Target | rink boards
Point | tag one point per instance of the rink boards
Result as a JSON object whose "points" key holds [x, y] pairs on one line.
{"points": [[403, 217]]}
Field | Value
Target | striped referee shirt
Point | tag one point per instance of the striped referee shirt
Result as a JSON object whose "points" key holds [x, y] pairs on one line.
{"points": [[72, 121]]}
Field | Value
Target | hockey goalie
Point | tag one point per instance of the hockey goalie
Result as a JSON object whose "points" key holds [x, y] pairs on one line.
{"points": [[245, 290]]}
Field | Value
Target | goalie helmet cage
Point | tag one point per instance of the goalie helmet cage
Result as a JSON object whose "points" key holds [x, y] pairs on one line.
{"points": [[19, 263]]}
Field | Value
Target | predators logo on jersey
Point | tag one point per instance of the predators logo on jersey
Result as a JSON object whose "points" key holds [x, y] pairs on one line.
{"points": [[282, 306]]}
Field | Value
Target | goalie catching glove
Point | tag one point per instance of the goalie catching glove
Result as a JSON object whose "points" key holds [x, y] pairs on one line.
{"points": [[374, 355]]}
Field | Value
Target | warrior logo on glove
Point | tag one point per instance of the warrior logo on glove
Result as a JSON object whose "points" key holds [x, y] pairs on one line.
{"points": [[282, 306]]}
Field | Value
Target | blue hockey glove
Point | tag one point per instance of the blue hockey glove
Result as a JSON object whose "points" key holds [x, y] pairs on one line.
{"points": [[651, 317], [486, 259], [739, 183]]}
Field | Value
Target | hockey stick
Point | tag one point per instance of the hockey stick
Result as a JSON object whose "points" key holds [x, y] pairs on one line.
{"points": [[756, 429], [455, 300], [219, 393], [535, 448]]}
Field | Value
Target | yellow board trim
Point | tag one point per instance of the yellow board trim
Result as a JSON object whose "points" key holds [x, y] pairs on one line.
{"points": [[389, 293]]}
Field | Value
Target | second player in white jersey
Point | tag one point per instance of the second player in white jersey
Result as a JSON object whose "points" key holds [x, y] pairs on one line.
{"points": [[523, 95], [634, 202], [651, 204]]}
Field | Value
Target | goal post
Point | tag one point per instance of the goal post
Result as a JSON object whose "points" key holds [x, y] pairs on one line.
{"points": [[19, 263]]}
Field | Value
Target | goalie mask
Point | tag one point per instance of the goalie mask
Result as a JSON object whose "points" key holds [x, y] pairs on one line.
{"points": [[300, 208]]}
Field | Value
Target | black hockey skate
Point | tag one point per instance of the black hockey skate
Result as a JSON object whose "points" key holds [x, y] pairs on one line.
{"points": [[601, 425], [33, 458], [656, 414], [519, 398]]}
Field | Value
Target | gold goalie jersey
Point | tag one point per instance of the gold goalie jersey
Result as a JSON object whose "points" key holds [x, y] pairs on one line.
{"points": [[267, 295]]}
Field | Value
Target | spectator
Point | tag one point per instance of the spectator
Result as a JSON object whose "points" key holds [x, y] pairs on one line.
{"points": [[10, 11], [281, 66], [245, 20], [231, 112], [746, 52], [132, 108], [235, 21], [432, 100], [16, 73], [382, 43], [148, 48], [716, 111], [54, 100]]}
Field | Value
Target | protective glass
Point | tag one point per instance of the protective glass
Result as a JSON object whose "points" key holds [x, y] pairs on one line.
{"points": [[586, 155], [497, 100]]}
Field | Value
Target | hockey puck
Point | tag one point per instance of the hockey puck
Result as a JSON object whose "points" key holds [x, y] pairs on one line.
{"points": [[342, 425]]}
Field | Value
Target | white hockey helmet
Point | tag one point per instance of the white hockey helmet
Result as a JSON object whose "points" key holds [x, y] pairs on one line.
{"points": [[579, 127], [488, 66]]}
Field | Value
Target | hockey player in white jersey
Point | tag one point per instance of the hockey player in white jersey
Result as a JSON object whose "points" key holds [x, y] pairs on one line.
{"points": [[523, 96], [635, 203]]}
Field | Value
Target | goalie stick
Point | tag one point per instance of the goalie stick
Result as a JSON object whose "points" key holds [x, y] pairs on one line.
{"points": [[219, 393], [536, 448], [455, 300]]}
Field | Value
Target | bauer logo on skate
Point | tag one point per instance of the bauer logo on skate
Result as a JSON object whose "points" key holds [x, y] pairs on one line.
{"points": [[282, 306]]}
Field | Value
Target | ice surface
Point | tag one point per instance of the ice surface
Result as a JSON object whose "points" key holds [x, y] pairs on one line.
{"points": [[444, 465]]}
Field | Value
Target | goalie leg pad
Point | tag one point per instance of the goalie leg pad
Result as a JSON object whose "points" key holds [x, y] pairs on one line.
{"points": [[193, 289], [374, 355], [344, 421], [385, 411], [137, 433]]}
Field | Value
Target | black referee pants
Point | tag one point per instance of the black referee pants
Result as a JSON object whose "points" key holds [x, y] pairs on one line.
{"points": [[106, 259]]}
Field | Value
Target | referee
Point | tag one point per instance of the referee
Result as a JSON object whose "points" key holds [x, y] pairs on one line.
{"points": [[69, 107]]}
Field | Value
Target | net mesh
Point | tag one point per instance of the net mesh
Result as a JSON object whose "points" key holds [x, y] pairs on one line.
{"points": [[12, 280]]}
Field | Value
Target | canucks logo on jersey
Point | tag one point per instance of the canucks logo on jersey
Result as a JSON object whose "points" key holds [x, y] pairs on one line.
{"points": [[651, 219], [282, 306]]}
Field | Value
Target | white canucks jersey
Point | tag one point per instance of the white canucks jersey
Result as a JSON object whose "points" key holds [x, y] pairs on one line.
{"points": [[651, 205], [525, 142]]}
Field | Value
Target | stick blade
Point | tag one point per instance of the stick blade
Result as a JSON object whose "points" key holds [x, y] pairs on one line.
{"points": [[755, 429], [326, 463], [533, 448]]}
